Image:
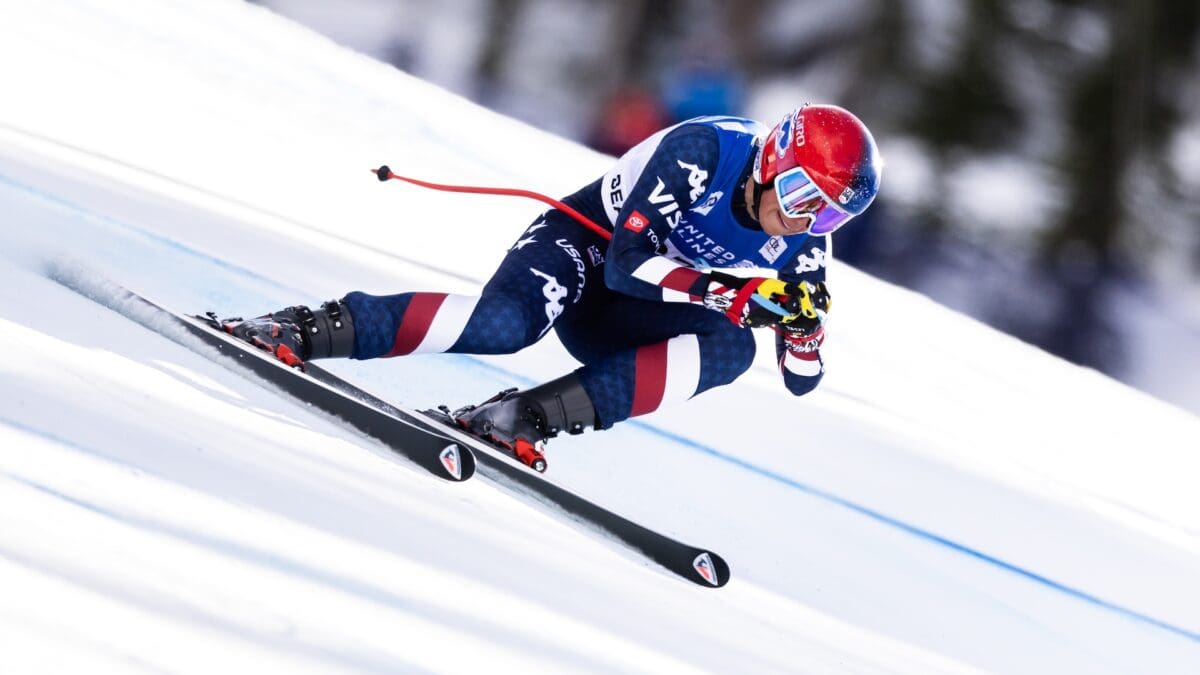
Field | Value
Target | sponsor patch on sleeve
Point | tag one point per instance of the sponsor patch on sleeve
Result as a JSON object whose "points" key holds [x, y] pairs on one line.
{"points": [[636, 222]]}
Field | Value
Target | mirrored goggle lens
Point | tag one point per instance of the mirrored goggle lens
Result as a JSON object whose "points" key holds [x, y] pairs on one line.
{"points": [[828, 220], [799, 197]]}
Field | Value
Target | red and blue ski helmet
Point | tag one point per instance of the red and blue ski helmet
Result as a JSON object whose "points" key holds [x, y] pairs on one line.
{"points": [[823, 164]]}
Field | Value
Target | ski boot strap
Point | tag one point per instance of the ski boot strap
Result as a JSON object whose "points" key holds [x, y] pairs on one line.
{"points": [[564, 405], [329, 330]]}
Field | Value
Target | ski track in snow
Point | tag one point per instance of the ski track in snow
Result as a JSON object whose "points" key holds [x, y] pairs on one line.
{"points": [[838, 566]]}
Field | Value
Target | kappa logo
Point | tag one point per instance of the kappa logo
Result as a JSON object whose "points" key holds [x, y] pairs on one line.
{"points": [[636, 222], [814, 260], [703, 565], [696, 178], [555, 294], [451, 461]]}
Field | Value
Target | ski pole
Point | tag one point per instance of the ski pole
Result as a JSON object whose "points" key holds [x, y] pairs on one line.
{"points": [[384, 174]]}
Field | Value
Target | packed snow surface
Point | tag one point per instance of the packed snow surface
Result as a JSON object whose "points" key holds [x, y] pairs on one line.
{"points": [[949, 500]]}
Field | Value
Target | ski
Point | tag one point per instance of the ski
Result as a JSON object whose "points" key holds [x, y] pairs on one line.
{"points": [[700, 566], [430, 439], [407, 434], [697, 565]]}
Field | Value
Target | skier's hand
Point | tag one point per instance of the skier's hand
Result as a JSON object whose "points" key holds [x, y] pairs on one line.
{"points": [[762, 301], [812, 308]]}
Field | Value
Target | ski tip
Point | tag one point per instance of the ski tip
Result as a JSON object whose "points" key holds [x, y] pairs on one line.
{"points": [[710, 570]]}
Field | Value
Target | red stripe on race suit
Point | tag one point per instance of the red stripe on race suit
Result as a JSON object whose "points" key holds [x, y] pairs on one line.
{"points": [[681, 279], [414, 326], [649, 378]]}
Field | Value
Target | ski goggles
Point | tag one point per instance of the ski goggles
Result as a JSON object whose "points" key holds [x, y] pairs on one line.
{"points": [[800, 198]]}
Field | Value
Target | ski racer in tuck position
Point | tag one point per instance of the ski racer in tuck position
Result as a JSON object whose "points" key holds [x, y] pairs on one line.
{"points": [[652, 313]]}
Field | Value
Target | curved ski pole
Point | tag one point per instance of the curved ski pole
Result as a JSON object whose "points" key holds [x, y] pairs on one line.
{"points": [[384, 174]]}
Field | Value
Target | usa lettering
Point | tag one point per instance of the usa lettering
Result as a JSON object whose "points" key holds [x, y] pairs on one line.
{"points": [[580, 270]]}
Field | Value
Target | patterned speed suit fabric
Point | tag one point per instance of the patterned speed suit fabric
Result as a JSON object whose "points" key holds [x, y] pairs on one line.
{"points": [[628, 309]]}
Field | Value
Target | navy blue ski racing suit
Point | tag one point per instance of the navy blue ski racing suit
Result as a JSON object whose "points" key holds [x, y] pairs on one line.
{"points": [[630, 309]]}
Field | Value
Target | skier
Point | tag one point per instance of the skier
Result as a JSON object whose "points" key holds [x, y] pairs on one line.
{"points": [[652, 313]]}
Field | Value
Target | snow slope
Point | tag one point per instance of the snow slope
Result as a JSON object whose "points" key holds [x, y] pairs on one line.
{"points": [[949, 500]]}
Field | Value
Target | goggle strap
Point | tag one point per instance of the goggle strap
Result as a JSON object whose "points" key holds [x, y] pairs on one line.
{"points": [[758, 190]]}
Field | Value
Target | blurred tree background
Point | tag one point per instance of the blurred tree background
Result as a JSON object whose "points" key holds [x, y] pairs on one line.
{"points": [[1042, 156]]}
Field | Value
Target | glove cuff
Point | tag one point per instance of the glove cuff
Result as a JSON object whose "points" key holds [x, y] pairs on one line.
{"points": [[729, 294], [803, 343]]}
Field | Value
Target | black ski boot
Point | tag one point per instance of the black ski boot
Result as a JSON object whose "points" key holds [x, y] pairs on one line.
{"points": [[297, 334], [522, 421]]}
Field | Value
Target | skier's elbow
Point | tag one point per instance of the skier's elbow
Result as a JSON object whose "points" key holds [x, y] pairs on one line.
{"points": [[611, 274], [616, 277]]}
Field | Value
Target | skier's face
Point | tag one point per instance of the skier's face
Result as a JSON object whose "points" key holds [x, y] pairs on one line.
{"points": [[772, 219]]}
